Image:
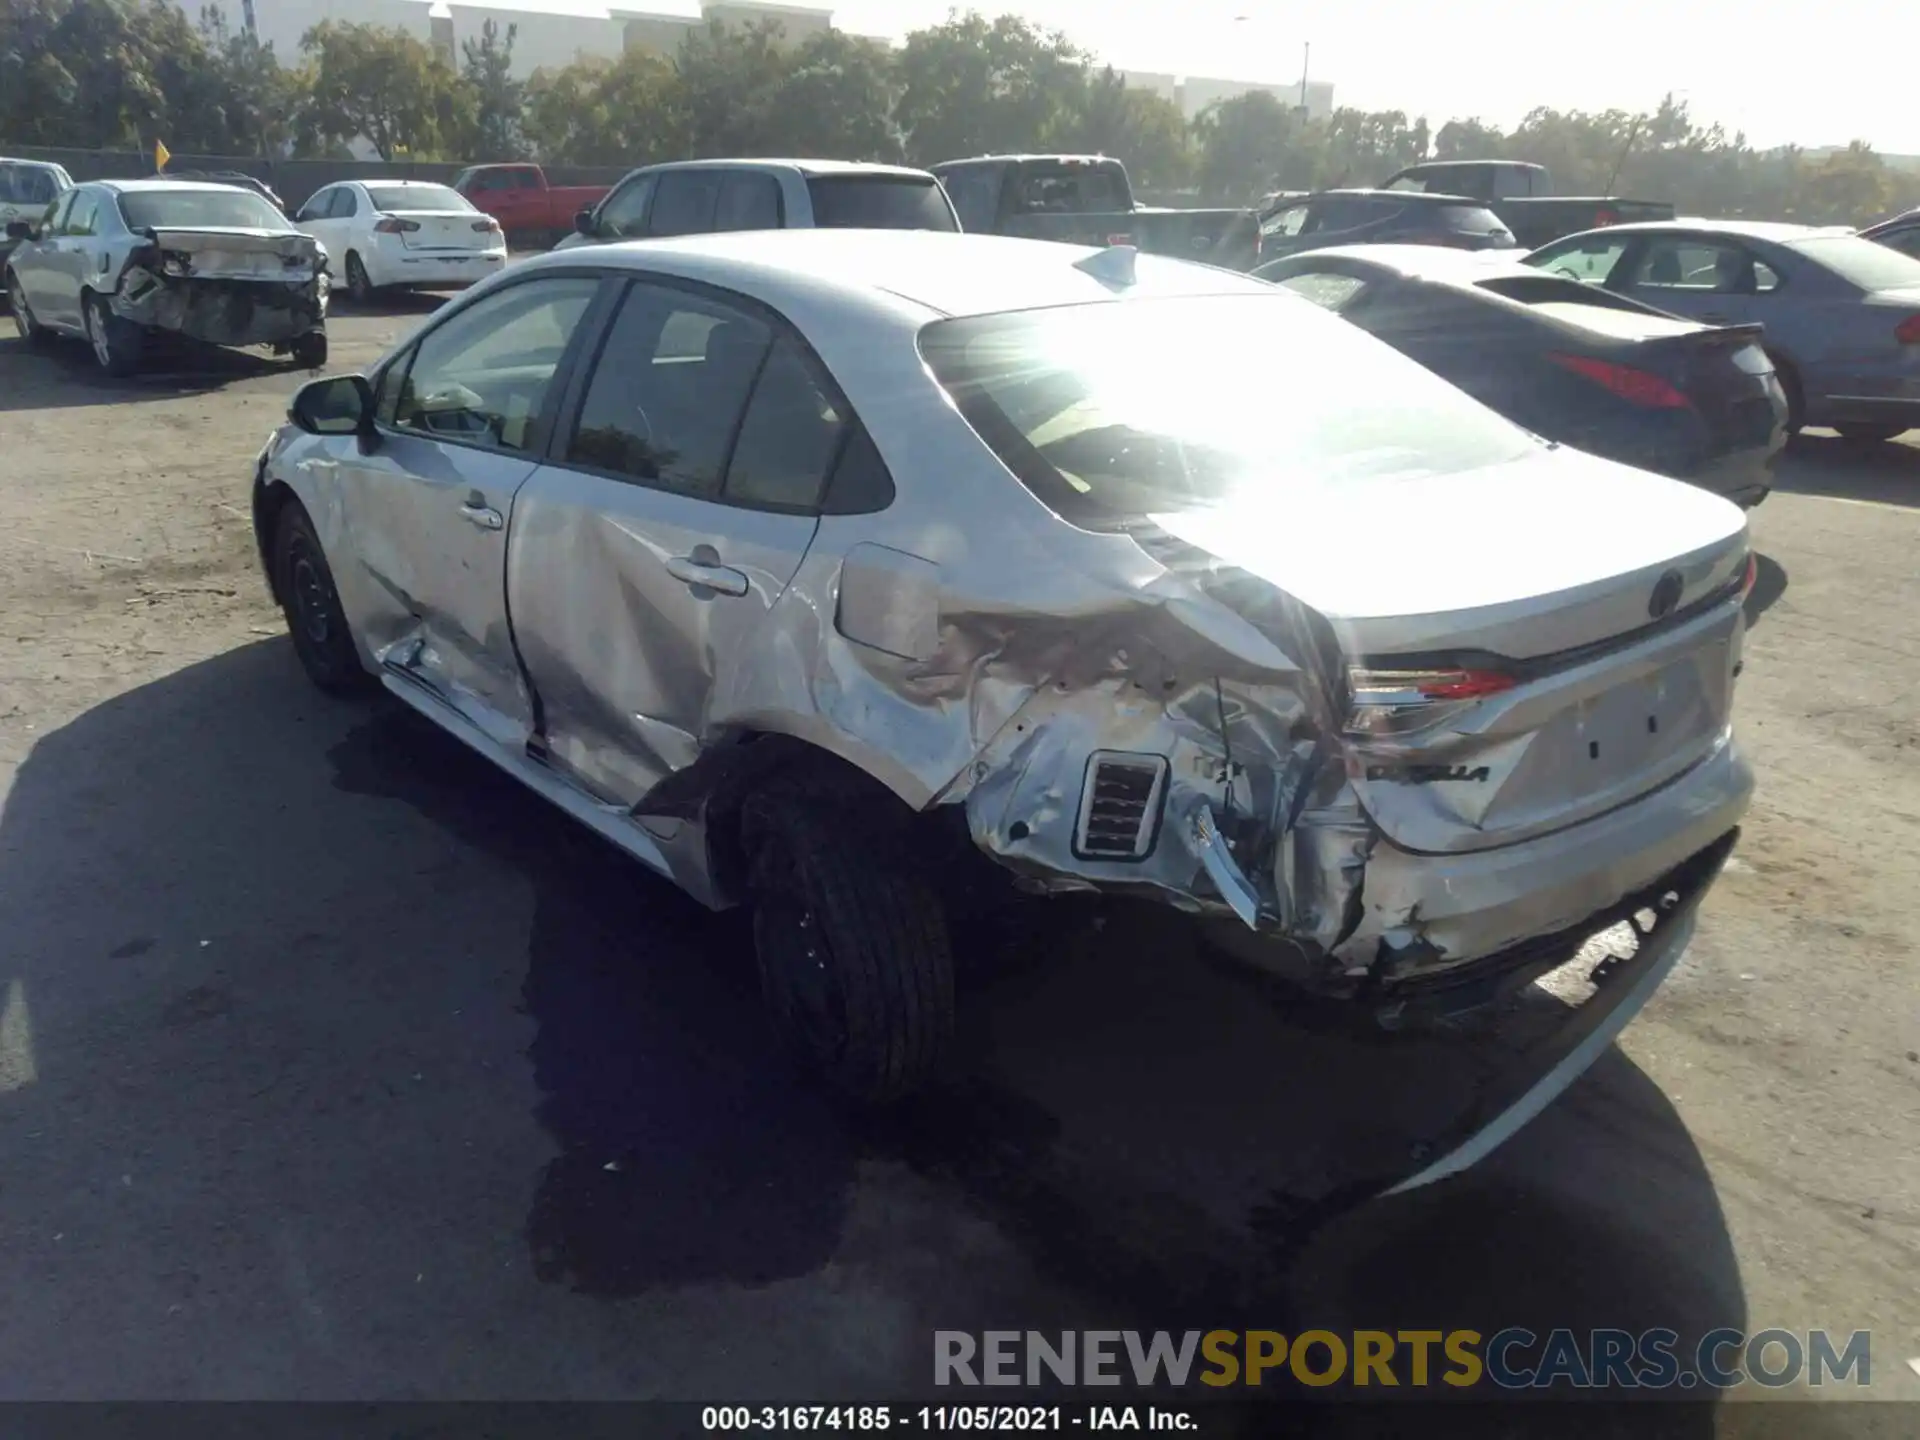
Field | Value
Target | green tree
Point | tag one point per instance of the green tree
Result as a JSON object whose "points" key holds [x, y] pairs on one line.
{"points": [[499, 100], [384, 85], [1106, 116], [972, 86], [836, 101], [728, 77], [605, 112], [1252, 144]]}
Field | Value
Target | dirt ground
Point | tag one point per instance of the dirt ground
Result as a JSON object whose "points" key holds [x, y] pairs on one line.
{"points": [[332, 1066]]}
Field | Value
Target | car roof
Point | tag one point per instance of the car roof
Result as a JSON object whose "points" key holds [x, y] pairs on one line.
{"points": [[403, 184], [940, 272], [1054, 159], [1424, 262], [1417, 197], [135, 187], [1780, 232], [37, 164], [805, 167]]}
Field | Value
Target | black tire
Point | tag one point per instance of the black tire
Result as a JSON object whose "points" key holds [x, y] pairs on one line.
{"points": [[856, 965], [30, 329], [311, 604], [118, 345], [359, 284], [1870, 434], [310, 350]]}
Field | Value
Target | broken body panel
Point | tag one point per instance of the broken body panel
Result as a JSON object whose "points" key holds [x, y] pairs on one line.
{"points": [[224, 287]]}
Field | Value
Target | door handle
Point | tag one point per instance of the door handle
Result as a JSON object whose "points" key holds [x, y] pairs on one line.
{"points": [[486, 517], [703, 568]]}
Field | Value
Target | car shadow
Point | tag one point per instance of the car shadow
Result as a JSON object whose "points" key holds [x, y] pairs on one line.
{"points": [[62, 375], [1769, 584], [281, 965], [1886, 472]]}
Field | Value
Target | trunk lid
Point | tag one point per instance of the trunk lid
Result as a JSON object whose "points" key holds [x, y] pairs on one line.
{"points": [[235, 254], [442, 230], [1541, 574]]}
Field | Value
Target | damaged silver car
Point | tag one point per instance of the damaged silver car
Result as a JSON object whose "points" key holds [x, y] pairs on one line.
{"points": [[812, 567], [115, 261]]}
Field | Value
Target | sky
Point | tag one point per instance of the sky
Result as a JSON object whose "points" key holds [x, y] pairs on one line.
{"points": [[1794, 71]]}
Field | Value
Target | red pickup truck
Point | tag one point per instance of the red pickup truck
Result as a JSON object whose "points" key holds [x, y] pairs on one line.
{"points": [[532, 212]]}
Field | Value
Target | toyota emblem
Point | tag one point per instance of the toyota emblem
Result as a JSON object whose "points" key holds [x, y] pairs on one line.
{"points": [[1666, 594]]}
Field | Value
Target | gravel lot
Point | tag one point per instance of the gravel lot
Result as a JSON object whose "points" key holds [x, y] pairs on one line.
{"points": [[332, 1066]]}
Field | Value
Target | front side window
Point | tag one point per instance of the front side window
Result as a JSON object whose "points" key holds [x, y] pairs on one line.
{"points": [[1110, 412], [1590, 259], [624, 215], [685, 203], [485, 376], [669, 389]]}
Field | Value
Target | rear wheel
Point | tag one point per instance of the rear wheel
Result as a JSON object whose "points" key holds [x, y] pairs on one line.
{"points": [[310, 350], [308, 599], [31, 330], [1870, 434], [117, 343], [855, 961], [359, 283]]}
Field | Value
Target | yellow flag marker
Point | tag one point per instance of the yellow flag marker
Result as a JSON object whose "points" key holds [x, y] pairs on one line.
{"points": [[161, 155]]}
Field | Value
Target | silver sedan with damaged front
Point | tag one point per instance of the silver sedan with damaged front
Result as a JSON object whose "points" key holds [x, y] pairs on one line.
{"points": [[115, 261], [811, 567]]}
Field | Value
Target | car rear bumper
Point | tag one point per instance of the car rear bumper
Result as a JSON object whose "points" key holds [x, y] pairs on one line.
{"points": [[430, 270]]}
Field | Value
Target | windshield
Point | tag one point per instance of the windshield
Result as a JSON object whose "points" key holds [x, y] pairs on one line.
{"points": [[420, 199], [1866, 263], [1124, 410], [226, 209], [880, 202]]}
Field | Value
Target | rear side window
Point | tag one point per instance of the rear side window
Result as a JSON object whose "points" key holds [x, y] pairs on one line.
{"points": [[345, 204], [1325, 288], [748, 201], [792, 432], [879, 202], [685, 203], [669, 390]]}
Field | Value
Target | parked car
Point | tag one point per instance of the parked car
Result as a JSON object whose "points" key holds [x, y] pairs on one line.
{"points": [[1568, 361], [812, 567], [1375, 217], [1522, 196], [117, 260], [701, 197], [1902, 233], [231, 177], [1842, 314], [532, 211], [1088, 200], [411, 234], [27, 189]]}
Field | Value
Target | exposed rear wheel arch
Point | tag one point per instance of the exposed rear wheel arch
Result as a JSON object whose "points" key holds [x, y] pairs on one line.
{"points": [[1796, 397]]}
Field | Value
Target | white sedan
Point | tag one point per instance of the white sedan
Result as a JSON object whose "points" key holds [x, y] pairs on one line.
{"points": [[408, 234]]}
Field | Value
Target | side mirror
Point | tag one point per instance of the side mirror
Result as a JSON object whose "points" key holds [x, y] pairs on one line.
{"points": [[19, 230], [336, 405], [583, 222]]}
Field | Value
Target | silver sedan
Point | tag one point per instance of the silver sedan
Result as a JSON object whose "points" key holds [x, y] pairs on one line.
{"points": [[812, 567], [1842, 314]]}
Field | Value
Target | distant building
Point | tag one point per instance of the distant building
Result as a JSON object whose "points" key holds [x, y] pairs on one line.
{"points": [[1196, 93]]}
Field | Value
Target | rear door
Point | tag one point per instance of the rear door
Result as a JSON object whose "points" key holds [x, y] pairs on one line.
{"points": [[1707, 278], [71, 259], [463, 417], [749, 200], [681, 494]]}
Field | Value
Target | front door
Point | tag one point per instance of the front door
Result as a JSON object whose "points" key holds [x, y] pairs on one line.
{"points": [[677, 507], [69, 259], [463, 418], [1711, 280]]}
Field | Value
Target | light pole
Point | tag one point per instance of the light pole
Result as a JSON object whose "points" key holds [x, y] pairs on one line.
{"points": [[1306, 59]]}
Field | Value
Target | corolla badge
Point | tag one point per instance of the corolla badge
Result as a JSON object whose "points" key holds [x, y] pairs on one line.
{"points": [[1666, 594]]}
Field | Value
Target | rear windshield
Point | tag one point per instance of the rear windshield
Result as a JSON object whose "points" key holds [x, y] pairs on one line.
{"points": [[1070, 190], [1472, 220], [192, 209], [421, 199], [30, 184], [1110, 412], [880, 202], [1866, 263]]}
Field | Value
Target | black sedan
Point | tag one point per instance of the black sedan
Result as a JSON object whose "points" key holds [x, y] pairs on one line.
{"points": [[1380, 217], [1570, 362], [1901, 233]]}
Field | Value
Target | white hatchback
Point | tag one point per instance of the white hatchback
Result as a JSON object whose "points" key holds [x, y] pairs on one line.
{"points": [[408, 234]]}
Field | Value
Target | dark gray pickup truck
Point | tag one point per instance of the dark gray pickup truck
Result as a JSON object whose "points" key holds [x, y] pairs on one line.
{"points": [[1088, 200], [1522, 196]]}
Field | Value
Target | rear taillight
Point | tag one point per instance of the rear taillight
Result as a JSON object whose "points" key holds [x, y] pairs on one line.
{"points": [[1387, 700], [485, 224], [388, 225], [1119, 239], [1907, 332], [1753, 574], [1604, 218], [1636, 387]]}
